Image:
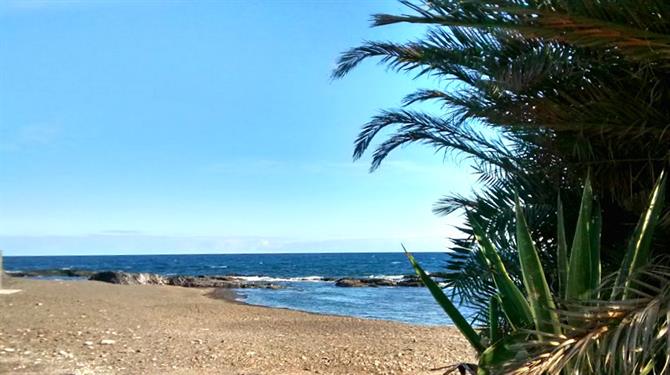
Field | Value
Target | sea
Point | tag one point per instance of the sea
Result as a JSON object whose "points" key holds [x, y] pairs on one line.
{"points": [[307, 279]]}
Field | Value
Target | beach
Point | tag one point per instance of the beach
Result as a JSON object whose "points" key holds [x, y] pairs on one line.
{"points": [[88, 327]]}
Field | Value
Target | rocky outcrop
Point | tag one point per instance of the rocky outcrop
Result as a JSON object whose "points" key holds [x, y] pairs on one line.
{"points": [[229, 282], [55, 272], [356, 283], [407, 281], [211, 281], [128, 278]]}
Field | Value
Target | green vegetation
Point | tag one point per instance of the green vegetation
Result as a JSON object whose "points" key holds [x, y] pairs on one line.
{"points": [[566, 87], [598, 330], [536, 95]]}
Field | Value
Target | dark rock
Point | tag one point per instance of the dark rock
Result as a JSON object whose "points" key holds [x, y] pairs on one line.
{"points": [[369, 282], [53, 272], [127, 278], [410, 281], [225, 282], [350, 283], [406, 281]]}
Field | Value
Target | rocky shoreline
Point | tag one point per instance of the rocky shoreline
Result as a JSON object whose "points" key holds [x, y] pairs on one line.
{"points": [[213, 281]]}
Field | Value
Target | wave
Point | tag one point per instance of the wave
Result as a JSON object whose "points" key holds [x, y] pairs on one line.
{"points": [[283, 279], [218, 266], [387, 277], [315, 279]]}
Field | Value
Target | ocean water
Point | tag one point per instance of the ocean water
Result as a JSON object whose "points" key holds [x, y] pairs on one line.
{"points": [[302, 275]]}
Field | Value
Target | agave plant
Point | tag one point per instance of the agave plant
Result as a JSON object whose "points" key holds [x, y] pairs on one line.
{"points": [[567, 85], [589, 332]]}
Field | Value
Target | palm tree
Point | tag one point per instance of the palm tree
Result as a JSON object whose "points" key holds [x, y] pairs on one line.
{"points": [[568, 86]]}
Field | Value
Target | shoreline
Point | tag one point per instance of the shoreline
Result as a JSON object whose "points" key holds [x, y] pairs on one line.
{"points": [[59, 327]]}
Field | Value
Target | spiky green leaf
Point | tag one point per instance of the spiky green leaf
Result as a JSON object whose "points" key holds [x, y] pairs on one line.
{"points": [[541, 302], [514, 303], [582, 281], [639, 247], [562, 249], [494, 319], [456, 317]]}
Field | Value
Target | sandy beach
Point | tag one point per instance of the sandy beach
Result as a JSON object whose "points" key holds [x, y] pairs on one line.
{"points": [[88, 327]]}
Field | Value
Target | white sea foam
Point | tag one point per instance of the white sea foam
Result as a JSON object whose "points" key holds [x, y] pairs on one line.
{"points": [[387, 277], [282, 279]]}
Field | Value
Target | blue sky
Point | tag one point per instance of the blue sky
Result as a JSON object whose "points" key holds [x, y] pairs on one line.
{"points": [[207, 126]]}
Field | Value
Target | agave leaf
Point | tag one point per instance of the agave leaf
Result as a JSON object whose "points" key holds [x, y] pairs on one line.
{"points": [[595, 231], [513, 302], [494, 319], [581, 279], [541, 302], [459, 321], [562, 248], [639, 247], [499, 354]]}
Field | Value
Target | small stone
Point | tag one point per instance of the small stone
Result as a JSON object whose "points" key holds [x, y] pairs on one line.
{"points": [[251, 354], [39, 304], [107, 342], [88, 343], [9, 350]]}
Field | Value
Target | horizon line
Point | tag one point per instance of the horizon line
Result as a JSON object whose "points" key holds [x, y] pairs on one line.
{"points": [[233, 253]]}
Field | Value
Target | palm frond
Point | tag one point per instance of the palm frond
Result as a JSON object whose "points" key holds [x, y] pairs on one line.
{"points": [[611, 335]]}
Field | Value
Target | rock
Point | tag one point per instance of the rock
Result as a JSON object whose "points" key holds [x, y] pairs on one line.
{"points": [[51, 272], [405, 281], [370, 282], [88, 343], [9, 350], [410, 280], [227, 282], [350, 283], [127, 278], [107, 342]]}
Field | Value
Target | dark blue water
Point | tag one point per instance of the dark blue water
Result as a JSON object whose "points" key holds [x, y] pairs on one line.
{"points": [[301, 274]]}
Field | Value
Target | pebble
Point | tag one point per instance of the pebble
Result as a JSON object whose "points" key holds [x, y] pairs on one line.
{"points": [[107, 342], [9, 350], [88, 343], [65, 354]]}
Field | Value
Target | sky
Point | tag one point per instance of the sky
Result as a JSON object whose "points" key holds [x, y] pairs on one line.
{"points": [[206, 127]]}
